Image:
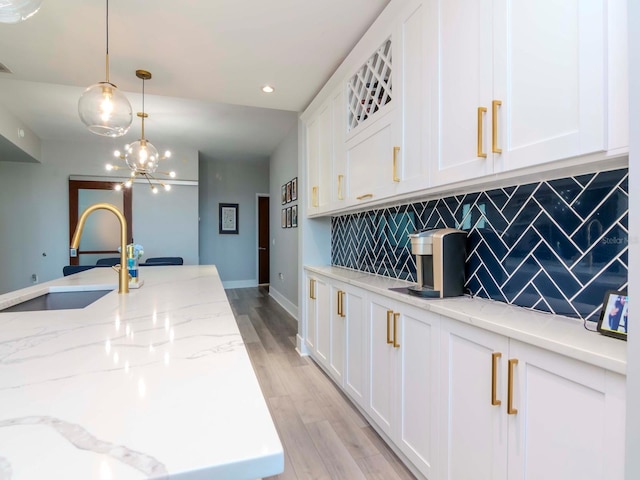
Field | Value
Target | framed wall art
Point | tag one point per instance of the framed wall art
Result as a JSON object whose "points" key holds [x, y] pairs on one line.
{"points": [[228, 218], [294, 216], [288, 217], [283, 219], [294, 189]]}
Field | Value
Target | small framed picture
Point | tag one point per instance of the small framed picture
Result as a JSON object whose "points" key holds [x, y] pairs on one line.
{"points": [[294, 189], [284, 194], [614, 317], [283, 220], [228, 218], [288, 217], [288, 192], [294, 216]]}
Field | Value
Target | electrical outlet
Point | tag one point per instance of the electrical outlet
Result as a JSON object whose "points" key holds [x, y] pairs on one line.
{"points": [[34, 278], [281, 275]]}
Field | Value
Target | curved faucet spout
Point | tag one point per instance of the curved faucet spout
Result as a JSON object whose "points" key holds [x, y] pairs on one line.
{"points": [[123, 274]]}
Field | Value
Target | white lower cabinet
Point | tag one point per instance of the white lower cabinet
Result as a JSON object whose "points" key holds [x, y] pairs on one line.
{"points": [[514, 411], [404, 351], [460, 402]]}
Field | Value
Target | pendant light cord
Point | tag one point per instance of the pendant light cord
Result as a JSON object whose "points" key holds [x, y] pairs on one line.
{"points": [[107, 28], [143, 109]]}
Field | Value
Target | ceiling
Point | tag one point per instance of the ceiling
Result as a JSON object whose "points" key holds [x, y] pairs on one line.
{"points": [[209, 60]]}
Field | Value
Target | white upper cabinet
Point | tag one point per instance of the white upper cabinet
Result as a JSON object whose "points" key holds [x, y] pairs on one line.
{"points": [[519, 84], [319, 159]]}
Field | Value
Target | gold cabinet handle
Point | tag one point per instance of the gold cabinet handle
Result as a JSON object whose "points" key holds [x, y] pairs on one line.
{"points": [[314, 196], [481, 112], [389, 313], [395, 164], [340, 196], [510, 409], [494, 134], [312, 289], [495, 356], [339, 304], [342, 314], [395, 330], [366, 195]]}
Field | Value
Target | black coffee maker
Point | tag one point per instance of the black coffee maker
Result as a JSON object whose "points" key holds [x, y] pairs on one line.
{"points": [[440, 256]]}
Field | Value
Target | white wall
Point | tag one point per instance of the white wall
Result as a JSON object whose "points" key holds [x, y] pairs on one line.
{"points": [[221, 181], [34, 210], [284, 241], [633, 344]]}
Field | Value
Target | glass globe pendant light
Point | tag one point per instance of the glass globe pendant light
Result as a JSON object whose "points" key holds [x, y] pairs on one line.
{"points": [[14, 11], [142, 156], [103, 108]]}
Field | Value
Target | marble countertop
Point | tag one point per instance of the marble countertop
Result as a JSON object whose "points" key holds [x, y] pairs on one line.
{"points": [[563, 335], [156, 383]]}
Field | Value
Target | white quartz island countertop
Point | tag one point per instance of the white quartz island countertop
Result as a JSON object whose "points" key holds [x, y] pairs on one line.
{"points": [[156, 383]]}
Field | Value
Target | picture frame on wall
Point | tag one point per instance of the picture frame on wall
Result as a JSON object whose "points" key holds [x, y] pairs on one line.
{"points": [[614, 318], [284, 194], [294, 216], [288, 217], [288, 192], [294, 189], [283, 220], [228, 218]]}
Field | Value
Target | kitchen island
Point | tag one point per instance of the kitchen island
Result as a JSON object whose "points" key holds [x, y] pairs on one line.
{"points": [[156, 383]]}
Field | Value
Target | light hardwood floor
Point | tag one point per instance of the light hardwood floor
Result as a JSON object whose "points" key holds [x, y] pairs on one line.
{"points": [[323, 435]]}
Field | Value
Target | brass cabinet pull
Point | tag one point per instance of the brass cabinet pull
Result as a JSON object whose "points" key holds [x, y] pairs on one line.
{"points": [[510, 409], [366, 195], [339, 304], [312, 289], [395, 164], [314, 196], [481, 112], [342, 314], [494, 142], [395, 330], [389, 313], [495, 356], [340, 196]]}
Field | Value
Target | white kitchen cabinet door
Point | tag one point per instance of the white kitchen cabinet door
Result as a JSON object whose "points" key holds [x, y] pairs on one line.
{"points": [[570, 420], [356, 370], [460, 88], [416, 384], [319, 160], [382, 364], [549, 70], [338, 333], [473, 427], [339, 126], [311, 315], [323, 305], [410, 84]]}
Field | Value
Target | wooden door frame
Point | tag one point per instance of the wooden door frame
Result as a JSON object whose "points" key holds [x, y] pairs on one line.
{"points": [[258, 196], [127, 201]]}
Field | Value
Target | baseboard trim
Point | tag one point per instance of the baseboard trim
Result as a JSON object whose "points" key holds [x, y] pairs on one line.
{"points": [[284, 302], [240, 284]]}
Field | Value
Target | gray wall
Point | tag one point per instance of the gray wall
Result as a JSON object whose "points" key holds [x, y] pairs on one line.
{"points": [[221, 181], [34, 210], [284, 241]]}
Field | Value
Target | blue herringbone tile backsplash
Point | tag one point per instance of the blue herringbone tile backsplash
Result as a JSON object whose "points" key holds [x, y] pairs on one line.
{"points": [[555, 246]]}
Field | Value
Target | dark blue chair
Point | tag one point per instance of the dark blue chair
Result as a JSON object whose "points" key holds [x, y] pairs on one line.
{"points": [[71, 269], [164, 261], [109, 262]]}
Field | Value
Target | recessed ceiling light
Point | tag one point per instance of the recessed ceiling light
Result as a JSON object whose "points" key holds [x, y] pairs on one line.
{"points": [[267, 89]]}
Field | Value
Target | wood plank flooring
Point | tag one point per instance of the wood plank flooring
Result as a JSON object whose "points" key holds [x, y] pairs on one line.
{"points": [[323, 435]]}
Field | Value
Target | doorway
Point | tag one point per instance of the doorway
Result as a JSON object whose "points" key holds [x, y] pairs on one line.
{"points": [[101, 233], [263, 240]]}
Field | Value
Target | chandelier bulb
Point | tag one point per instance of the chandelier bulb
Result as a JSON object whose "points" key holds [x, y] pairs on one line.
{"points": [[128, 183], [154, 189], [109, 167], [172, 174], [118, 187], [167, 187], [167, 154], [116, 153]]}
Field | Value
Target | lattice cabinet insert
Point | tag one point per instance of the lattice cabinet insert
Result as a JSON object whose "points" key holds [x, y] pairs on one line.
{"points": [[370, 88]]}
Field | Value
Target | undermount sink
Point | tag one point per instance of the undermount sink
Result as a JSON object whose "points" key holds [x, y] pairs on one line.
{"points": [[58, 300]]}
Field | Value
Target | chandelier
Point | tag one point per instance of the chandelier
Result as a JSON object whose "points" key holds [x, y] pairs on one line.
{"points": [[14, 11], [103, 108], [142, 157]]}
